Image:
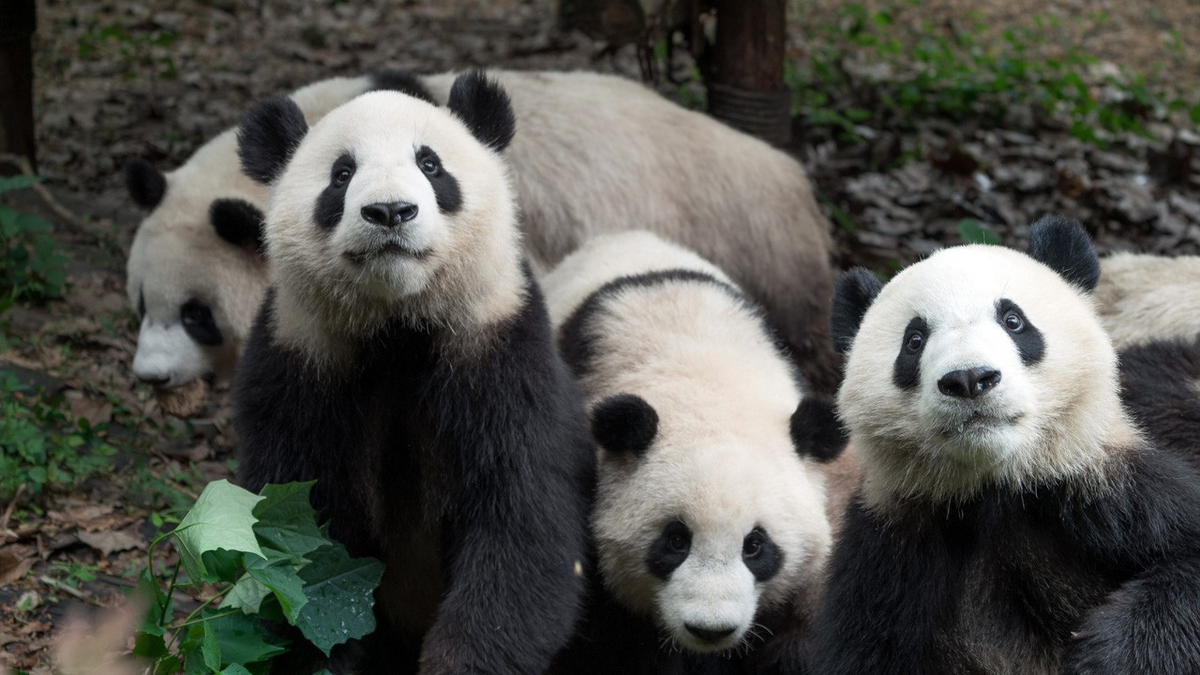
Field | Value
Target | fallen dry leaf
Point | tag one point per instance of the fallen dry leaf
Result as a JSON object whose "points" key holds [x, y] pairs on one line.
{"points": [[110, 541], [15, 563]]}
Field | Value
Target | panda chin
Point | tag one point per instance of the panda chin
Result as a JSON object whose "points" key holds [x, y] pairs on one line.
{"points": [[977, 438]]}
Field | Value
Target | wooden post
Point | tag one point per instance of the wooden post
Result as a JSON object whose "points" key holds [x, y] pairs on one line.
{"points": [[745, 80], [17, 23]]}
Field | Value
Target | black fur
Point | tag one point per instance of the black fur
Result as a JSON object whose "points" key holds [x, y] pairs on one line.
{"points": [[767, 561], [1064, 246], [403, 82], [816, 430], [1160, 385], [852, 296], [331, 203], [472, 477], [270, 132], [238, 222], [141, 303], [576, 335], [484, 107], [624, 423], [1027, 338], [906, 372], [1058, 576], [146, 184], [198, 321], [445, 185], [669, 550]]}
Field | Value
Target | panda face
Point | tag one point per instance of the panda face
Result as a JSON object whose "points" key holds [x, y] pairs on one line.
{"points": [[976, 364], [389, 202], [703, 529]]}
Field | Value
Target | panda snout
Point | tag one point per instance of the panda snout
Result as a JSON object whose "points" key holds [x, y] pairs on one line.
{"points": [[969, 383], [390, 214], [153, 379], [710, 635]]}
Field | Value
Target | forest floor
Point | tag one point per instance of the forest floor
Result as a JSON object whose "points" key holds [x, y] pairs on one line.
{"points": [[911, 135]]}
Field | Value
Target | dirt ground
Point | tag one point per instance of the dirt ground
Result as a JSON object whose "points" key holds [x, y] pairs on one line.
{"points": [[155, 78]]}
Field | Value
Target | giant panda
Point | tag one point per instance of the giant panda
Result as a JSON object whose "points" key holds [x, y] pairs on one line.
{"points": [[1012, 517], [596, 154], [1142, 297], [403, 360], [709, 520], [1160, 384]]}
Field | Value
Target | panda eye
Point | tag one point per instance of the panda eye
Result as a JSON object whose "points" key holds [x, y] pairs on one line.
{"points": [[195, 313], [752, 546], [677, 543], [430, 165], [342, 176], [1013, 321], [914, 342]]}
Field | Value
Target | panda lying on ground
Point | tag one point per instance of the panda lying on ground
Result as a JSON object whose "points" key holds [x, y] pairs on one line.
{"points": [[1142, 297], [596, 154], [709, 519], [404, 360], [1013, 518]]}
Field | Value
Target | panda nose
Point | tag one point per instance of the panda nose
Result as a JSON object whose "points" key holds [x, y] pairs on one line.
{"points": [[710, 635], [154, 380], [389, 215], [969, 383]]}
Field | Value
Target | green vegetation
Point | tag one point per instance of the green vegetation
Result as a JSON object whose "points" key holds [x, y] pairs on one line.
{"points": [[41, 446], [30, 268], [268, 561], [138, 51], [868, 70]]}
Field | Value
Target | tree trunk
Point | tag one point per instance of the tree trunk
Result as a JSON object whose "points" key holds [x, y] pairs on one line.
{"points": [[17, 22], [745, 82]]}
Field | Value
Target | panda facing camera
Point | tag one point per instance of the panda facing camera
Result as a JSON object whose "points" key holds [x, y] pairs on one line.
{"points": [[403, 360], [1027, 523]]}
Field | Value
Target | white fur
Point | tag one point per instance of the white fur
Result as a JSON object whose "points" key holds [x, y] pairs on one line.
{"points": [[723, 461], [460, 271], [1040, 422], [1149, 297], [176, 254], [593, 154]]}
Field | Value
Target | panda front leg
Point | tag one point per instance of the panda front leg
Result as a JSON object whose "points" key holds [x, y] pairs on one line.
{"points": [[1151, 624]]}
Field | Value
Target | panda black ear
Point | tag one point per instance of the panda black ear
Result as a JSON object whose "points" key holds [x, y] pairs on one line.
{"points": [[624, 423], [270, 132], [852, 296], [238, 222], [816, 430], [403, 82], [1064, 246], [146, 184], [484, 107]]}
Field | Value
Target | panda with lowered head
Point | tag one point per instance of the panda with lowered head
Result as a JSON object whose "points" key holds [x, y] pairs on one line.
{"points": [[709, 520], [1012, 518], [403, 359], [195, 275]]}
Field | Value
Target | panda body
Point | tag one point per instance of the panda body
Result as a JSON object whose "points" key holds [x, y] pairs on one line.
{"points": [[709, 521], [1160, 384], [596, 154], [1027, 524], [1143, 298], [403, 360]]}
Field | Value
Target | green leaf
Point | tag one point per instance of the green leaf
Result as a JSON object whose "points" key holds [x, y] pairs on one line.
{"points": [[974, 232], [340, 597], [210, 648], [287, 521], [17, 182], [235, 669], [222, 518], [243, 640], [247, 595], [283, 581], [149, 646], [159, 613]]}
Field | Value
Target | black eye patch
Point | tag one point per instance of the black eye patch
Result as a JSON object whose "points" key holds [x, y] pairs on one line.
{"points": [[141, 303], [1024, 334], [761, 554], [445, 186], [907, 370], [669, 550], [198, 321], [331, 203]]}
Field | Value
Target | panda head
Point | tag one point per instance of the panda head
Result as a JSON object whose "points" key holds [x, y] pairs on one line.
{"points": [[389, 205], [701, 528], [978, 365], [195, 294]]}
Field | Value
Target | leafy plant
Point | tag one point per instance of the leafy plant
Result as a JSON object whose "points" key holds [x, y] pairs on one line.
{"points": [[41, 446], [974, 232], [136, 50], [30, 268], [270, 562]]}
